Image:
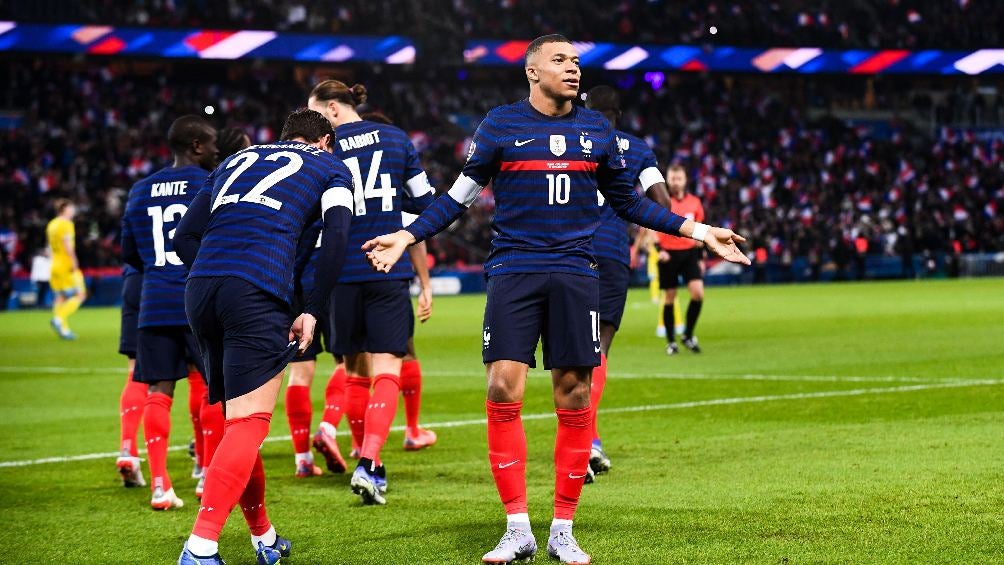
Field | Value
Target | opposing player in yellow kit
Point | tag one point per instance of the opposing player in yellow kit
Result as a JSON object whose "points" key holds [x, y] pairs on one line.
{"points": [[66, 280]]}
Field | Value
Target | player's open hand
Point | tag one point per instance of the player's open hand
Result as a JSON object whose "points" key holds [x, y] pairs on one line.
{"points": [[384, 251], [424, 305], [722, 242], [302, 330]]}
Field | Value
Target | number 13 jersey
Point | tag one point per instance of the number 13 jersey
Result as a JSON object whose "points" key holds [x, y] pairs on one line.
{"points": [[155, 206]]}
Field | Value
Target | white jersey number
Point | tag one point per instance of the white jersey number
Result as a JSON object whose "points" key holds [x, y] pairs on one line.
{"points": [[559, 188], [161, 216], [256, 195], [369, 189]]}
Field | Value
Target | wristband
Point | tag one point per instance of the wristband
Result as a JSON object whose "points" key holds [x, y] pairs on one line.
{"points": [[700, 230]]}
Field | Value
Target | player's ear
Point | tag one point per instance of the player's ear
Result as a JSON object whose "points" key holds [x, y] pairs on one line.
{"points": [[326, 142], [531, 74]]}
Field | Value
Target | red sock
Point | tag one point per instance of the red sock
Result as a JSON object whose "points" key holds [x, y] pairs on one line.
{"points": [[213, 424], [299, 412], [230, 473], [380, 414], [196, 392], [334, 397], [571, 456], [507, 454], [131, 413], [253, 500], [156, 429], [357, 396], [411, 390], [596, 391]]}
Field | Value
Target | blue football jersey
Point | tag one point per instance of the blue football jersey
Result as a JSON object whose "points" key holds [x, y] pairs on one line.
{"points": [[262, 199], [545, 172], [388, 179], [611, 238], [155, 206]]}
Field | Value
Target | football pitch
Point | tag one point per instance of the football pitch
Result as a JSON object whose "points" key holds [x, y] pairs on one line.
{"points": [[842, 423]]}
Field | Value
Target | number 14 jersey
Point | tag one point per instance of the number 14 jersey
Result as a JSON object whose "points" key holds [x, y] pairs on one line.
{"points": [[388, 179]]}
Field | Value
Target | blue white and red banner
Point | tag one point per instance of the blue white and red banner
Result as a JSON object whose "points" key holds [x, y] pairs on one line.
{"points": [[203, 43], [807, 60]]}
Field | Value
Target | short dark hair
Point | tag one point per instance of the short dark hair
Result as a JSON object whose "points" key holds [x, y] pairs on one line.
{"points": [[603, 98], [230, 141], [186, 130], [536, 44], [307, 124]]}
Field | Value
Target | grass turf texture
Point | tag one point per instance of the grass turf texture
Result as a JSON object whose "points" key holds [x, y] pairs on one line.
{"points": [[908, 475]]}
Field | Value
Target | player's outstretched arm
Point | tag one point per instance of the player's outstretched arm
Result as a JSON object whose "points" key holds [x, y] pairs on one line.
{"points": [[385, 251], [720, 241]]}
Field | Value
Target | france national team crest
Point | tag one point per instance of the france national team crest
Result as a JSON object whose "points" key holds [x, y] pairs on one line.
{"points": [[558, 145], [587, 145]]}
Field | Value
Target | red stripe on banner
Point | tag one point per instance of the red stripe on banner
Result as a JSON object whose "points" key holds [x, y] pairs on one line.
{"points": [[576, 166], [512, 51], [879, 62], [206, 39], [694, 65], [109, 46]]}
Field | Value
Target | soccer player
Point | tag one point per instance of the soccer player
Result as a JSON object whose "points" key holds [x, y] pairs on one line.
{"points": [[679, 256], [240, 238], [134, 392], [545, 158], [415, 437], [65, 279], [165, 344], [373, 314], [613, 253]]}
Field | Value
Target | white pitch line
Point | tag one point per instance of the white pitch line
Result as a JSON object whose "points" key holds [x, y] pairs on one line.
{"points": [[75, 370], [612, 375], [621, 410]]}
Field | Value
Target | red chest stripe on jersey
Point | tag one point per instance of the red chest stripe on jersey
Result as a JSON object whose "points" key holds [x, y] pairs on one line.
{"points": [[549, 166]]}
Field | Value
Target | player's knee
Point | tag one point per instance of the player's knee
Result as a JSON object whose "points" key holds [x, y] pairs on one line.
{"points": [[697, 292], [163, 387]]}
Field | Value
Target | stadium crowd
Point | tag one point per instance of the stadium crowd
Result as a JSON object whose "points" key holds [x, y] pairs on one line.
{"points": [[819, 187], [937, 24]]}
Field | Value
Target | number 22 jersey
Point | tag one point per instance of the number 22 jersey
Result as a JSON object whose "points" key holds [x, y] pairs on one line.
{"points": [[262, 199]]}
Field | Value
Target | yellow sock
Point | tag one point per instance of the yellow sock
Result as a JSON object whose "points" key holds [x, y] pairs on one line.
{"points": [[69, 307], [57, 311]]}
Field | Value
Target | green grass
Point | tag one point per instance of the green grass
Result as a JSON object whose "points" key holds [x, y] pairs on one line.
{"points": [[873, 473]]}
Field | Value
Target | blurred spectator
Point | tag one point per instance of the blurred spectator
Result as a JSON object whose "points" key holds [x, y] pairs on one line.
{"points": [[767, 155], [41, 265]]}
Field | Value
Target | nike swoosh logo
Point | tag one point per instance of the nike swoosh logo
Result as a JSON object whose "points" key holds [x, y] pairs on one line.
{"points": [[522, 143], [504, 465], [571, 476]]}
